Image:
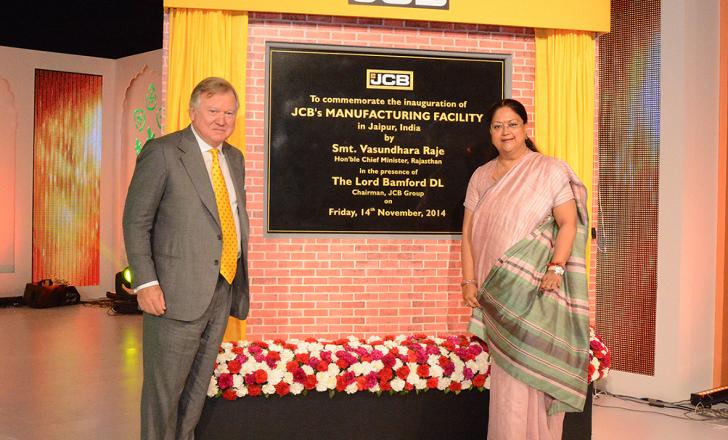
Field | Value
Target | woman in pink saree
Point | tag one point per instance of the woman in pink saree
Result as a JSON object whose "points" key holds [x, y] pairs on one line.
{"points": [[524, 235]]}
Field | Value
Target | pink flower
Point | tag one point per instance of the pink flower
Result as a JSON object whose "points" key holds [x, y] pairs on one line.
{"points": [[225, 381], [299, 375]]}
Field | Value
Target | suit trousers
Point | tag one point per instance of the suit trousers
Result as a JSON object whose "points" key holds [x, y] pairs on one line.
{"points": [[179, 359]]}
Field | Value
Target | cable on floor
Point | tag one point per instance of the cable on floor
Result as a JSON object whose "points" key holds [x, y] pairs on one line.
{"points": [[693, 413]]}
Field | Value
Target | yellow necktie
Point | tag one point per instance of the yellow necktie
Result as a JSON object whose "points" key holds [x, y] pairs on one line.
{"points": [[229, 257]]}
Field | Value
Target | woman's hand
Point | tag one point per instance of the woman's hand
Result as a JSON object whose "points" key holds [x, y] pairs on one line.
{"points": [[550, 281], [470, 296]]}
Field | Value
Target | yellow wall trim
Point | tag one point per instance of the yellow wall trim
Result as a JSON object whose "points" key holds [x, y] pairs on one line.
{"points": [[584, 15]]}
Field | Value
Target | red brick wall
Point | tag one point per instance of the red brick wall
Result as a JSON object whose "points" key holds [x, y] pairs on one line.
{"points": [[362, 286]]}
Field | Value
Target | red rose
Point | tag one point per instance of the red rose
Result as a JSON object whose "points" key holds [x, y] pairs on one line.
{"points": [[403, 372], [443, 361], [238, 350], [408, 386], [282, 388], [234, 366], [432, 383], [455, 386], [340, 383], [411, 356], [385, 374], [591, 370], [342, 364], [229, 394], [385, 385], [322, 366], [423, 370], [254, 390], [261, 376], [302, 357], [310, 382], [361, 383], [479, 381], [292, 366]]}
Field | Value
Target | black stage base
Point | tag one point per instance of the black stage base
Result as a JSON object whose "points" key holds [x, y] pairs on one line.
{"points": [[365, 416]]}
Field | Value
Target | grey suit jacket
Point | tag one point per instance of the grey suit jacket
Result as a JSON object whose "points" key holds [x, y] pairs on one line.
{"points": [[172, 229]]}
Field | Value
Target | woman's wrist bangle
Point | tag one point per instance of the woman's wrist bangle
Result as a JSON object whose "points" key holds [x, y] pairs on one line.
{"points": [[464, 283]]}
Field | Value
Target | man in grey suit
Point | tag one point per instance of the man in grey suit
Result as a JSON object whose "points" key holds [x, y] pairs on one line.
{"points": [[186, 236]]}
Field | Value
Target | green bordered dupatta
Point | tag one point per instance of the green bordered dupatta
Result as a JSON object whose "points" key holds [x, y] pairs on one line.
{"points": [[541, 339]]}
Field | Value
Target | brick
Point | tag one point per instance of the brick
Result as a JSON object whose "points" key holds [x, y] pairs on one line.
{"points": [[367, 286]]}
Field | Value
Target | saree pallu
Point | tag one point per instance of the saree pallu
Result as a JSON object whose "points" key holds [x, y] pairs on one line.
{"points": [[540, 338]]}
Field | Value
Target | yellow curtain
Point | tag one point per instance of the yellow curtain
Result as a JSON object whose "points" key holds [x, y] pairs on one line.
{"points": [[564, 102], [206, 43]]}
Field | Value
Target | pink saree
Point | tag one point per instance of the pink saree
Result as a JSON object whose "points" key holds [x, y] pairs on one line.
{"points": [[504, 212]]}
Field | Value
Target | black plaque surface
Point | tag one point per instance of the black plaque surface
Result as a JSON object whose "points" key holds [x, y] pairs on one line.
{"points": [[374, 142]]}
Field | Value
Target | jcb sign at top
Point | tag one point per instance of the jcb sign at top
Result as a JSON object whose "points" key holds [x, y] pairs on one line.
{"points": [[432, 4]]}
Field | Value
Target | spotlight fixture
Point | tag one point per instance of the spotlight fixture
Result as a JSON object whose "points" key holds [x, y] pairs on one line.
{"points": [[124, 299]]}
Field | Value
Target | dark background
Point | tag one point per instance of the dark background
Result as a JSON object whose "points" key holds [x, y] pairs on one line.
{"points": [[99, 28], [300, 161]]}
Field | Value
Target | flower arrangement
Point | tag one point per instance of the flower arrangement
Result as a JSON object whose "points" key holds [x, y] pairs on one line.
{"points": [[393, 364], [600, 360]]}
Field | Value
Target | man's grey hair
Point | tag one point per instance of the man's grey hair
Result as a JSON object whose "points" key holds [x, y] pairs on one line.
{"points": [[212, 86]]}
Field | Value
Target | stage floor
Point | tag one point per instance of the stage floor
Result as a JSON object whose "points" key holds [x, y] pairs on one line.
{"points": [[75, 373]]}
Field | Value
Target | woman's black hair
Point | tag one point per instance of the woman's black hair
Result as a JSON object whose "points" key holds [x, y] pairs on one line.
{"points": [[518, 108]]}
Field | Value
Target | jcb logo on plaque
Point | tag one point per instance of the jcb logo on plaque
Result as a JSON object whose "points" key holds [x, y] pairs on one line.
{"points": [[390, 79], [432, 4]]}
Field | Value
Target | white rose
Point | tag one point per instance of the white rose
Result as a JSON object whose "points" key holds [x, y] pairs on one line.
{"points": [[296, 388], [397, 384], [334, 369], [275, 376], [436, 371], [377, 366], [286, 356], [269, 389], [351, 388], [443, 383], [212, 389], [237, 381]]}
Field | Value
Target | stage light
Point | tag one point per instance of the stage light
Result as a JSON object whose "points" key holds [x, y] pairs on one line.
{"points": [[710, 397], [126, 273], [122, 285], [124, 299]]}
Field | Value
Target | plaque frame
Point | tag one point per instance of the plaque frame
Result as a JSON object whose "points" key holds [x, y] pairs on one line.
{"points": [[270, 46]]}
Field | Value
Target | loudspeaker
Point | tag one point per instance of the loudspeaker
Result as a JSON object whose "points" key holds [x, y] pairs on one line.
{"points": [[46, 294]]}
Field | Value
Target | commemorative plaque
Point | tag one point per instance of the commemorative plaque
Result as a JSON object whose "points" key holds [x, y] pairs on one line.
{"points": [[368, 141]]}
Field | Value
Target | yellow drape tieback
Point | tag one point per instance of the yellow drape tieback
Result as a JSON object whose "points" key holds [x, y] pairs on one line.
{"points": [[229, 257]]}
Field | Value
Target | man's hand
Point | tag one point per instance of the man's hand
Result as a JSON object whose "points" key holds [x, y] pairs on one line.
{"points": [[151, 300]]}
